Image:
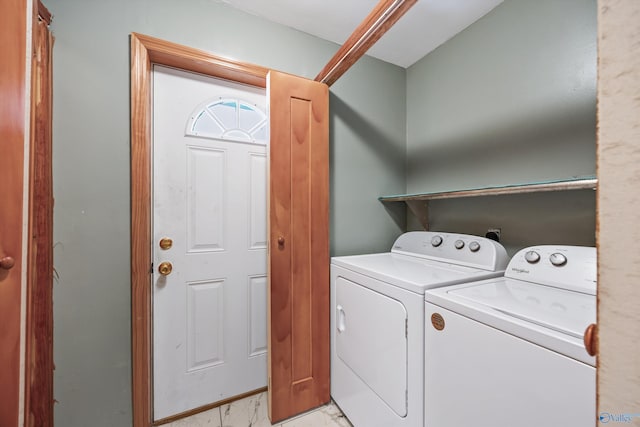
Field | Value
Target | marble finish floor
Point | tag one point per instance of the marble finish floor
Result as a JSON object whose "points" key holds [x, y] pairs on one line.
{"points": [[252, 412]]}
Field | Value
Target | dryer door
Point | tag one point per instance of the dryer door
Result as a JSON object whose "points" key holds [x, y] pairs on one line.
{"points": [[371, 339]]}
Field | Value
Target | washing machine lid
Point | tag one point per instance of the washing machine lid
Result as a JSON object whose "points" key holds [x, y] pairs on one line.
{"points": [[551, 317], [564, 311], [411, 273]]}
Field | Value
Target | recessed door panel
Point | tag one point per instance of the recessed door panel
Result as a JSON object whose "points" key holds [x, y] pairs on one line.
{"points": [[371, 340]]}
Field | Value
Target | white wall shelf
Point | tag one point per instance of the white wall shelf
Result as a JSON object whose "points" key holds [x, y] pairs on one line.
{"points": [[418, 202]]}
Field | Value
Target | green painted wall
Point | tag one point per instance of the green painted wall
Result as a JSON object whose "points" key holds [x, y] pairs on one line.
{"points": [[509, 100], [91, 170]]}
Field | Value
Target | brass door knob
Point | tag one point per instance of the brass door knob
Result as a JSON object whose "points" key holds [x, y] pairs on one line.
{"points": [[165, 268], [7, 263]]}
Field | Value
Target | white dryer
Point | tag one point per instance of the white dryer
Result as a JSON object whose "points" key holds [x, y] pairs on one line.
{"points": [[509, 351], [377, 324]]}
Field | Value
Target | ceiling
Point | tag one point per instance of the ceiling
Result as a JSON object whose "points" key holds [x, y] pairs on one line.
{"points": [[427, 25]]}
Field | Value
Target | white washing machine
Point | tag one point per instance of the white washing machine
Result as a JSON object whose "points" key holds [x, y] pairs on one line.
{"points": [[509, 351], [377, 324]]}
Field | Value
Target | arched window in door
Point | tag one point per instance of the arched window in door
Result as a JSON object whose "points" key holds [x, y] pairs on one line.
{"points": [[229, 118]]}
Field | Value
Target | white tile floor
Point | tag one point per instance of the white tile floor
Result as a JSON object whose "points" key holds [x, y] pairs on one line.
{"points": [[252, 412]]}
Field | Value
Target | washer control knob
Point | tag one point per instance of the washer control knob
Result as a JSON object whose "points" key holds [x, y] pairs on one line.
{"points": [[436, 241], [459, 244], [558, 259], [532, 257], [474, 246]]}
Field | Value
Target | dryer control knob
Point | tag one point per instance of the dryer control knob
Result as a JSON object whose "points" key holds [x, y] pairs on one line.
{"points": [[558, 259], [532, 257], [474, 246], [459, 244], [436, 241]]}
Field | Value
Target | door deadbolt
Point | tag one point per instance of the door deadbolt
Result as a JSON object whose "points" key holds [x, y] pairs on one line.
{"points": [[166, 243], [165, 268]]}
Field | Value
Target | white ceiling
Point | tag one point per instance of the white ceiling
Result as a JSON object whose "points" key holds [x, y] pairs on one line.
{"points": [[427, 25]]}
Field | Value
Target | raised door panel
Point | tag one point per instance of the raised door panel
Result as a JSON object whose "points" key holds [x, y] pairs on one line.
{"points": [[298, 245]]}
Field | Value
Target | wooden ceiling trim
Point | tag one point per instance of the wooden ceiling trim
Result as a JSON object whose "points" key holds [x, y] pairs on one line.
{"points": [[375, 25]]}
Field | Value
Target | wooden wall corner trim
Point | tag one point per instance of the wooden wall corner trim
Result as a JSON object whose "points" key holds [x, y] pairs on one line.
{"points": [[39, 312]]}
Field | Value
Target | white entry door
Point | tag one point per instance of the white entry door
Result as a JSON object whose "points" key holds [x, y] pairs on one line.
{"points": [[209, 205]]}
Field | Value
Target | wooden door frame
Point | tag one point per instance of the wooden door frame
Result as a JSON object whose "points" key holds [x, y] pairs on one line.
{"points": [[147, 51]]}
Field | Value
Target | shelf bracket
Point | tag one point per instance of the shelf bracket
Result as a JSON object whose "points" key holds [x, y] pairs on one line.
{"points": [[420, 209]]}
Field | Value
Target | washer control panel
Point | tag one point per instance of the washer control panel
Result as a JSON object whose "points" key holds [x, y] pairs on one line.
{"points": [[462, 249], [566, 267]]}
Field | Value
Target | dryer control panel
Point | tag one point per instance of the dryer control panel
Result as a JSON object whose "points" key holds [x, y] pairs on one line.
{"points": [[566, 267], [460, 249]]}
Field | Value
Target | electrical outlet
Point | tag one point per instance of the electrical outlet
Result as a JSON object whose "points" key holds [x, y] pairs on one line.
{"points": [[494, 234]]}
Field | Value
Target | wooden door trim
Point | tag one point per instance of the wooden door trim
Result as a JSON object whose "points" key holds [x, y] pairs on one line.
{"points": [[39, 312], [145, 52], [375, 25]]}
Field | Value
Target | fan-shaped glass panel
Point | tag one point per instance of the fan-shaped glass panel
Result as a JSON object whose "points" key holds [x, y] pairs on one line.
{"points": [[226, 112], [261, 133], [249, 117], [206, 125], [227, 118], [237, 134]]}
